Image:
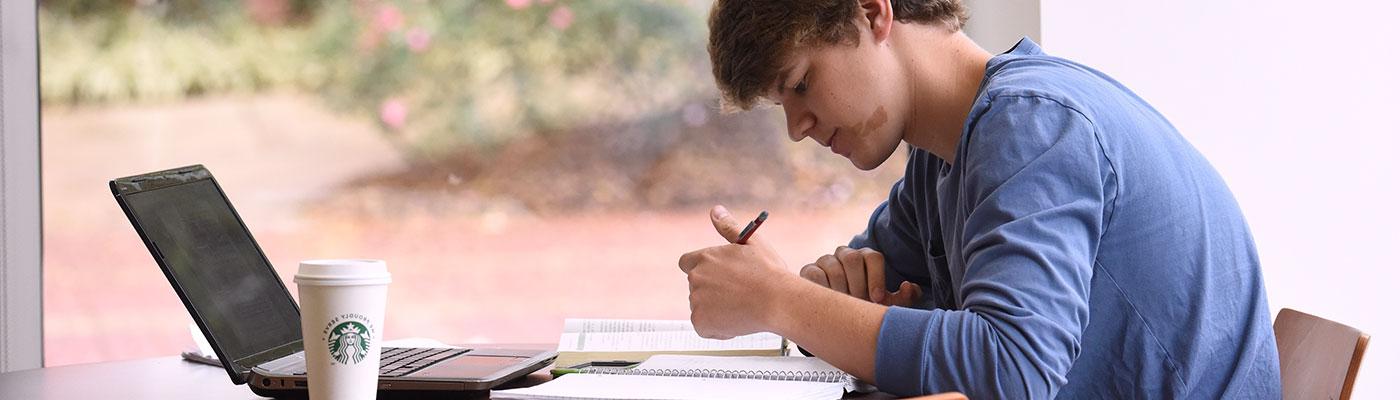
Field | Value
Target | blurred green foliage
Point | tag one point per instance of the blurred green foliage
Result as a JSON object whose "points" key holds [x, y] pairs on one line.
{"points": [[101, 52], [435, 75]]}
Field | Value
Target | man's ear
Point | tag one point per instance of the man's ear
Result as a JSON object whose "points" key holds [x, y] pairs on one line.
{"points": [[878, 16]]}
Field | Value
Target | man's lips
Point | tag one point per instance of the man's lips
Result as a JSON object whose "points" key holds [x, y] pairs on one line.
{"points": [[834, 144]]}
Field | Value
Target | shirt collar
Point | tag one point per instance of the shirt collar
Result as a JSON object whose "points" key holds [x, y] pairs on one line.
{"points": [[1025, 47]]}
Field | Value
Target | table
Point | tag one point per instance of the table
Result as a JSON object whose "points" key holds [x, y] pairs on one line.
{"points": [[173, 378], [157, 378], [151, 378]]}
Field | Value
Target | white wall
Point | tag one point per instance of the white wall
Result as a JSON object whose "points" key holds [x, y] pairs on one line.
{"points": [[21, 334], [1297, 104], [997, 25]]}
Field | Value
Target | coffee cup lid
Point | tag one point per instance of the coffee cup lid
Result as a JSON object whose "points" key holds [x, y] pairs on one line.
{"points": [[343, 272]]}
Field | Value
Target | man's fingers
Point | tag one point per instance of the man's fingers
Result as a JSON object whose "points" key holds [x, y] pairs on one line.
{"points": [[688, 261], [907, 295], [815, 274], [874, 273], [854, 266], [917, 293], [835, 273], [725, 224]]}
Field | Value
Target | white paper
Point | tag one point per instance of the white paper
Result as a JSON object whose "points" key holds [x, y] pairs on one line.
{"points": [[652, 335], [202, 345], [637, 387], [577, 325]]}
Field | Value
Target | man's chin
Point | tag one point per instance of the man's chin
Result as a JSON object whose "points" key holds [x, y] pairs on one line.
{"points": [[863, 164], [870, 160]]}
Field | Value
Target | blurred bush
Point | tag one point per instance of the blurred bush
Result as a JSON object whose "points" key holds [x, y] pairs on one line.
{"points": [[435, 75], [107, 51], [442, 74], [546, 105]]}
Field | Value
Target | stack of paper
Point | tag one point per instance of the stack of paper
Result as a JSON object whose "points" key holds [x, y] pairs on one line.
{"points": [[586, 340]]}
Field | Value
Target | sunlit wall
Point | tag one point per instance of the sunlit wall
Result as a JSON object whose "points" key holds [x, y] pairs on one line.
{"points": [[1294, 103]]}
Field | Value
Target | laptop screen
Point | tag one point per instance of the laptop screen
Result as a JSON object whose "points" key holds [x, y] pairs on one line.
{"points": [[224, 275]]}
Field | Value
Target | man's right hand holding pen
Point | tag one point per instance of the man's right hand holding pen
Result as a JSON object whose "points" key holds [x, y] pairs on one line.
{"points": [[738, 289]]}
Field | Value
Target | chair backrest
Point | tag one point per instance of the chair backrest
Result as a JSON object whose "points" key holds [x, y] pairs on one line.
{"points": [[1318, 358]]}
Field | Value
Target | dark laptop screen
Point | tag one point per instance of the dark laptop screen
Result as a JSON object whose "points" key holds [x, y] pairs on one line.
{"points": [[223, 273]]}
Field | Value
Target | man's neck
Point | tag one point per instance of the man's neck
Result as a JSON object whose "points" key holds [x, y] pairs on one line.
{"points": [[944, 71]]}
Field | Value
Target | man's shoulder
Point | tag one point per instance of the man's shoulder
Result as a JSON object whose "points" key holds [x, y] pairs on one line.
{"points": [[1042, 76], [1023, 119], [1029, 116]]}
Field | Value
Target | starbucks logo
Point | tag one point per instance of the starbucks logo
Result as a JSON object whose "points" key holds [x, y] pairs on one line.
{"points": [[348, 341]]}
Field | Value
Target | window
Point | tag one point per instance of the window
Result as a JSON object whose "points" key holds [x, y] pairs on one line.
{"points": [[515, 162]]}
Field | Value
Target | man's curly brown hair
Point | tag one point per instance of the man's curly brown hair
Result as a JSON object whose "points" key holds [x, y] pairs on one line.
{"points": [[749, 39]]}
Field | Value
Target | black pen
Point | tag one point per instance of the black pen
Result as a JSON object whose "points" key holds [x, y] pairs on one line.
{"points": [[753, 226]]}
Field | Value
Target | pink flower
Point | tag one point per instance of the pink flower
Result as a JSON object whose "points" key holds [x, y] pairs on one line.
{"points": [[518, 4], [393, 112], [388, 18], [561, 17], [418, 39]]}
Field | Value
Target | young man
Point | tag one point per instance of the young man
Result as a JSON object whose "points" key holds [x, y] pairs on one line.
{"points": [[1053, 235]]}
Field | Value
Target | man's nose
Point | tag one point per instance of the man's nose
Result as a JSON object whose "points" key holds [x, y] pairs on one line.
{"points": [[799, 121]]}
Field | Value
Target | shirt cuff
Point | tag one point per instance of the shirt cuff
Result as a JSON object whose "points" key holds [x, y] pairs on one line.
{"points": [[899, 353]]}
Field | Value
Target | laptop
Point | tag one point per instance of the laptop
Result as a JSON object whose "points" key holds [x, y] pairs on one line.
{"points": [[245, 311]]}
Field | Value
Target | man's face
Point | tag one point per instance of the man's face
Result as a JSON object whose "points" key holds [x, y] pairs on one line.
{"points": [[845, 97]]}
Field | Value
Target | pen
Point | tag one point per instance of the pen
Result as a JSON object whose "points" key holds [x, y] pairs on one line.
{"points": [[753, 226], [593, 367]]}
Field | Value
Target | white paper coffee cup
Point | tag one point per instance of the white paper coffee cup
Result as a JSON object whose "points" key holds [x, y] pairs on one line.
{"points": [[342, 319]]}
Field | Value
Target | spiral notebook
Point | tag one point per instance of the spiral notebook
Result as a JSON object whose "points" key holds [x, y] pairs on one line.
{"points": [[679, 377]]}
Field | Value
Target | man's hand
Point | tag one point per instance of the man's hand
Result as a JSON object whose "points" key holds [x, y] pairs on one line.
{"points": [[861, 274], [733, 287]]}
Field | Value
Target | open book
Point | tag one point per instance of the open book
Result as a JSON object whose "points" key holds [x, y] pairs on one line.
{"points": [[586, 340], [681, 377]]}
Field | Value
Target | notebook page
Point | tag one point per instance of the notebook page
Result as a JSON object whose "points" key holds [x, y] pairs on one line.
{"points": [[662, 341], [638, 387], [625, 325]]}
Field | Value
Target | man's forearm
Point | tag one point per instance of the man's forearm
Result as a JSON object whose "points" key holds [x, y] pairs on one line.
{"points": [[840, 329]]}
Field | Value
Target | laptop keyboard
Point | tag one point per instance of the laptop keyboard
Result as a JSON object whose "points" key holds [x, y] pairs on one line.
{"points": [[400, 361]]}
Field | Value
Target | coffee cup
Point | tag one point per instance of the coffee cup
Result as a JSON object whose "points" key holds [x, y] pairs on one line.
{"points": [[342, 319]]}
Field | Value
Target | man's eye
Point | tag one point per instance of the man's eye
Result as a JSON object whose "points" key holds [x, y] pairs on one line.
{"points": [[801, 87]]}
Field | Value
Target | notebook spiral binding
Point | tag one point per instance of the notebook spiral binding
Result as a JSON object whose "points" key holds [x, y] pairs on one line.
{"points": [[804, 376]]}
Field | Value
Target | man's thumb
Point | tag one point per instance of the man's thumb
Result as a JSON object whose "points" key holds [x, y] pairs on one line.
{"points": [[907, 295], [725, 223]]}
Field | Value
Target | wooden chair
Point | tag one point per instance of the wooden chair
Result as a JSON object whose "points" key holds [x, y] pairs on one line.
{"points": [[1318, 358]]}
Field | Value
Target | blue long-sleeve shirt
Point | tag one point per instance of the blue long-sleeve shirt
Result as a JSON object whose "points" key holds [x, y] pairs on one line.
{"points": [[1076, 247]]}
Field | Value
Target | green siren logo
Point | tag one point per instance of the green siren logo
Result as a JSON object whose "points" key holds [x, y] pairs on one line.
{"points": [[347, 339]]}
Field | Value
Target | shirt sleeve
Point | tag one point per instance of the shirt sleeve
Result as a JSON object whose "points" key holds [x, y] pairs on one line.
{"points": [[1033, 179]]}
